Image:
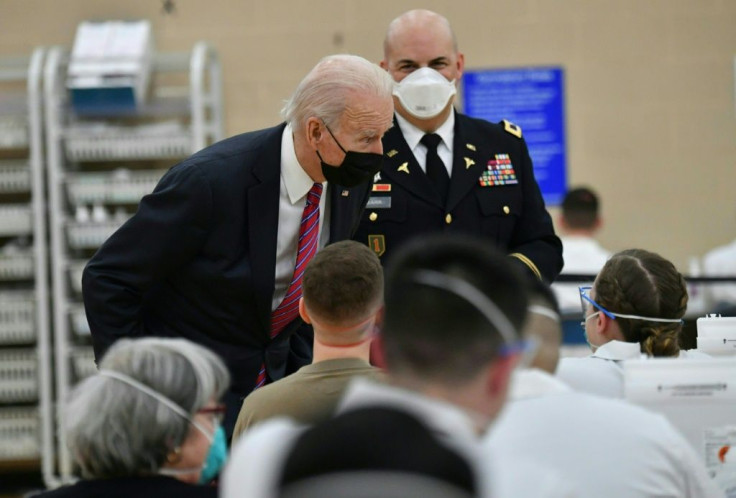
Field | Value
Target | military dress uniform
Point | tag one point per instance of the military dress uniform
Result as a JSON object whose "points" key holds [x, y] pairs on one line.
{"points": [[492, 194]]}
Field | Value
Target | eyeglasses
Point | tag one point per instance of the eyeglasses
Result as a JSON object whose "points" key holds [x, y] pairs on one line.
{"points": [[217, 412], [585, 298]]}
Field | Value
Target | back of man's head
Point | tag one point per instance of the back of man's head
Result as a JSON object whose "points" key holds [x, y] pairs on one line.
{"points": [[580, 209], [342, 289], [452, 305], [543, 326]]}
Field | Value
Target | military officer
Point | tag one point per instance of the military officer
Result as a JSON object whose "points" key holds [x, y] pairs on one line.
{"points": [[444, 171]]}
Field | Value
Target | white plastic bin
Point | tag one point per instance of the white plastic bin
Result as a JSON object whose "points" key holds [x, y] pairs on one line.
{"points": [[17, 317], [18, 375], [19, 433]]}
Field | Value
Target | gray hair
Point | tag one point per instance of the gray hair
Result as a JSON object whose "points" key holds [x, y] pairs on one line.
{"points": [[114, 429], [324, 92]]}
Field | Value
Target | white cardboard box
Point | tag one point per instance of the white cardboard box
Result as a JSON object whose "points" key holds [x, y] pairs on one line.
{"points": [[110, 66]]}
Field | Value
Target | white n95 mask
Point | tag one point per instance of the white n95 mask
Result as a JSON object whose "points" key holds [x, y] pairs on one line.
{"points": [[424, 93]]}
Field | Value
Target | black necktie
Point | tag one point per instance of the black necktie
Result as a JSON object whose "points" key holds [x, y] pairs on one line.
{"points": [[436, 171]]}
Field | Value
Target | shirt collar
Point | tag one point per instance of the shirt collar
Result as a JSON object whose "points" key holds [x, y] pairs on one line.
{"points": [[618, 350], [442, 417], [335, 364], [413, 135], [534, 383], [578, 239], [295, 179]]}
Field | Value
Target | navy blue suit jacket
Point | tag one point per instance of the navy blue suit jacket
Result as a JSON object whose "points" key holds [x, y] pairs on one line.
{"points": [[512, 216], [198, 258]]}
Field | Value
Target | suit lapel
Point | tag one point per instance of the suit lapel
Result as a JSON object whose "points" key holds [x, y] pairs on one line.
{"points": [[263, 222], [402, 168], [339, 212], [467, 165]]}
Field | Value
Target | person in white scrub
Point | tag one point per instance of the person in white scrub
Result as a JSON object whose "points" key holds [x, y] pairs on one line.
{"points": [[634, 308], [607, 447], [721, 262], [579, 224]]}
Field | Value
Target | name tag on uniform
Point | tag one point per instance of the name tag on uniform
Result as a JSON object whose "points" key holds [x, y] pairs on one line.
{"points": [[383, 202]]}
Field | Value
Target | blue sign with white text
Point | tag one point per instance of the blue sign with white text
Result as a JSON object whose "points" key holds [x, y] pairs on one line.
{"points": [[532, 98]]}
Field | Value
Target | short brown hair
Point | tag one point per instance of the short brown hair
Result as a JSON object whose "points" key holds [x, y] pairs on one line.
{"points": [[580, 208], [432, 333], [343, 282]]}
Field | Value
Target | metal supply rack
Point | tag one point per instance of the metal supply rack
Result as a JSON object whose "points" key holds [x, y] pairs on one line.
{"points": [[26, 413], [99, 166]]}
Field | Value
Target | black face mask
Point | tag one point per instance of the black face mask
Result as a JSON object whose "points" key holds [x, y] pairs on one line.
{"points": [[356, 168]]}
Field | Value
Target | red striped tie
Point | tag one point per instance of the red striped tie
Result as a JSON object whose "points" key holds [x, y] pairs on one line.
{"points": [[288, 310]]}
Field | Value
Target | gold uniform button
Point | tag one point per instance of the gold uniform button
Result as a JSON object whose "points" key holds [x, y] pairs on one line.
{"points": [[373, 217], [506, 210], [448, 219]]}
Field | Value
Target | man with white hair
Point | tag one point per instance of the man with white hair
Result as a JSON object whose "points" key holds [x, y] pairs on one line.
{"points": [[216, 253]]}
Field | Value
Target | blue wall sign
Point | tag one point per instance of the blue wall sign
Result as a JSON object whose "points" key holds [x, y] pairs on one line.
{"points": [[532, 98]]}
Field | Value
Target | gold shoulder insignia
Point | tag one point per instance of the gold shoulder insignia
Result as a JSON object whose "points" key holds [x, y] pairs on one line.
{"points": [[392, 153], [470, 146], [512, 128]]}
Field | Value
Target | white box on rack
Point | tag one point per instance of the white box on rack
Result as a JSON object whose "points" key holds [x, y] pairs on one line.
{"points": [[110, 66]]}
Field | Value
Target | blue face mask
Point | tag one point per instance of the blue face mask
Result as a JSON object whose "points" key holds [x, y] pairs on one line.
{"points": [[216, 457]]}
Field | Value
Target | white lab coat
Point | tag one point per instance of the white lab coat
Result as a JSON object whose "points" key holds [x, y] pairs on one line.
{"points": [[255, 462], [601, 373], [500, 476], [610, 448]]}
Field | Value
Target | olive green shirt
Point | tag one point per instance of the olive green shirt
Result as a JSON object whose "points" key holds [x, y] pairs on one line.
{"points": [[309, 395]]}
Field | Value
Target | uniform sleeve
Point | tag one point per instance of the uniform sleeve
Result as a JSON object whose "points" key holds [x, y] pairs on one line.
{"points": [[534, 243], [168, 230]]}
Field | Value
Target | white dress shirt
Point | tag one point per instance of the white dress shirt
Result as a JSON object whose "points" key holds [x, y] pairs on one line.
{"points": [[413, 135], [295, 185], [609, 448]]}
